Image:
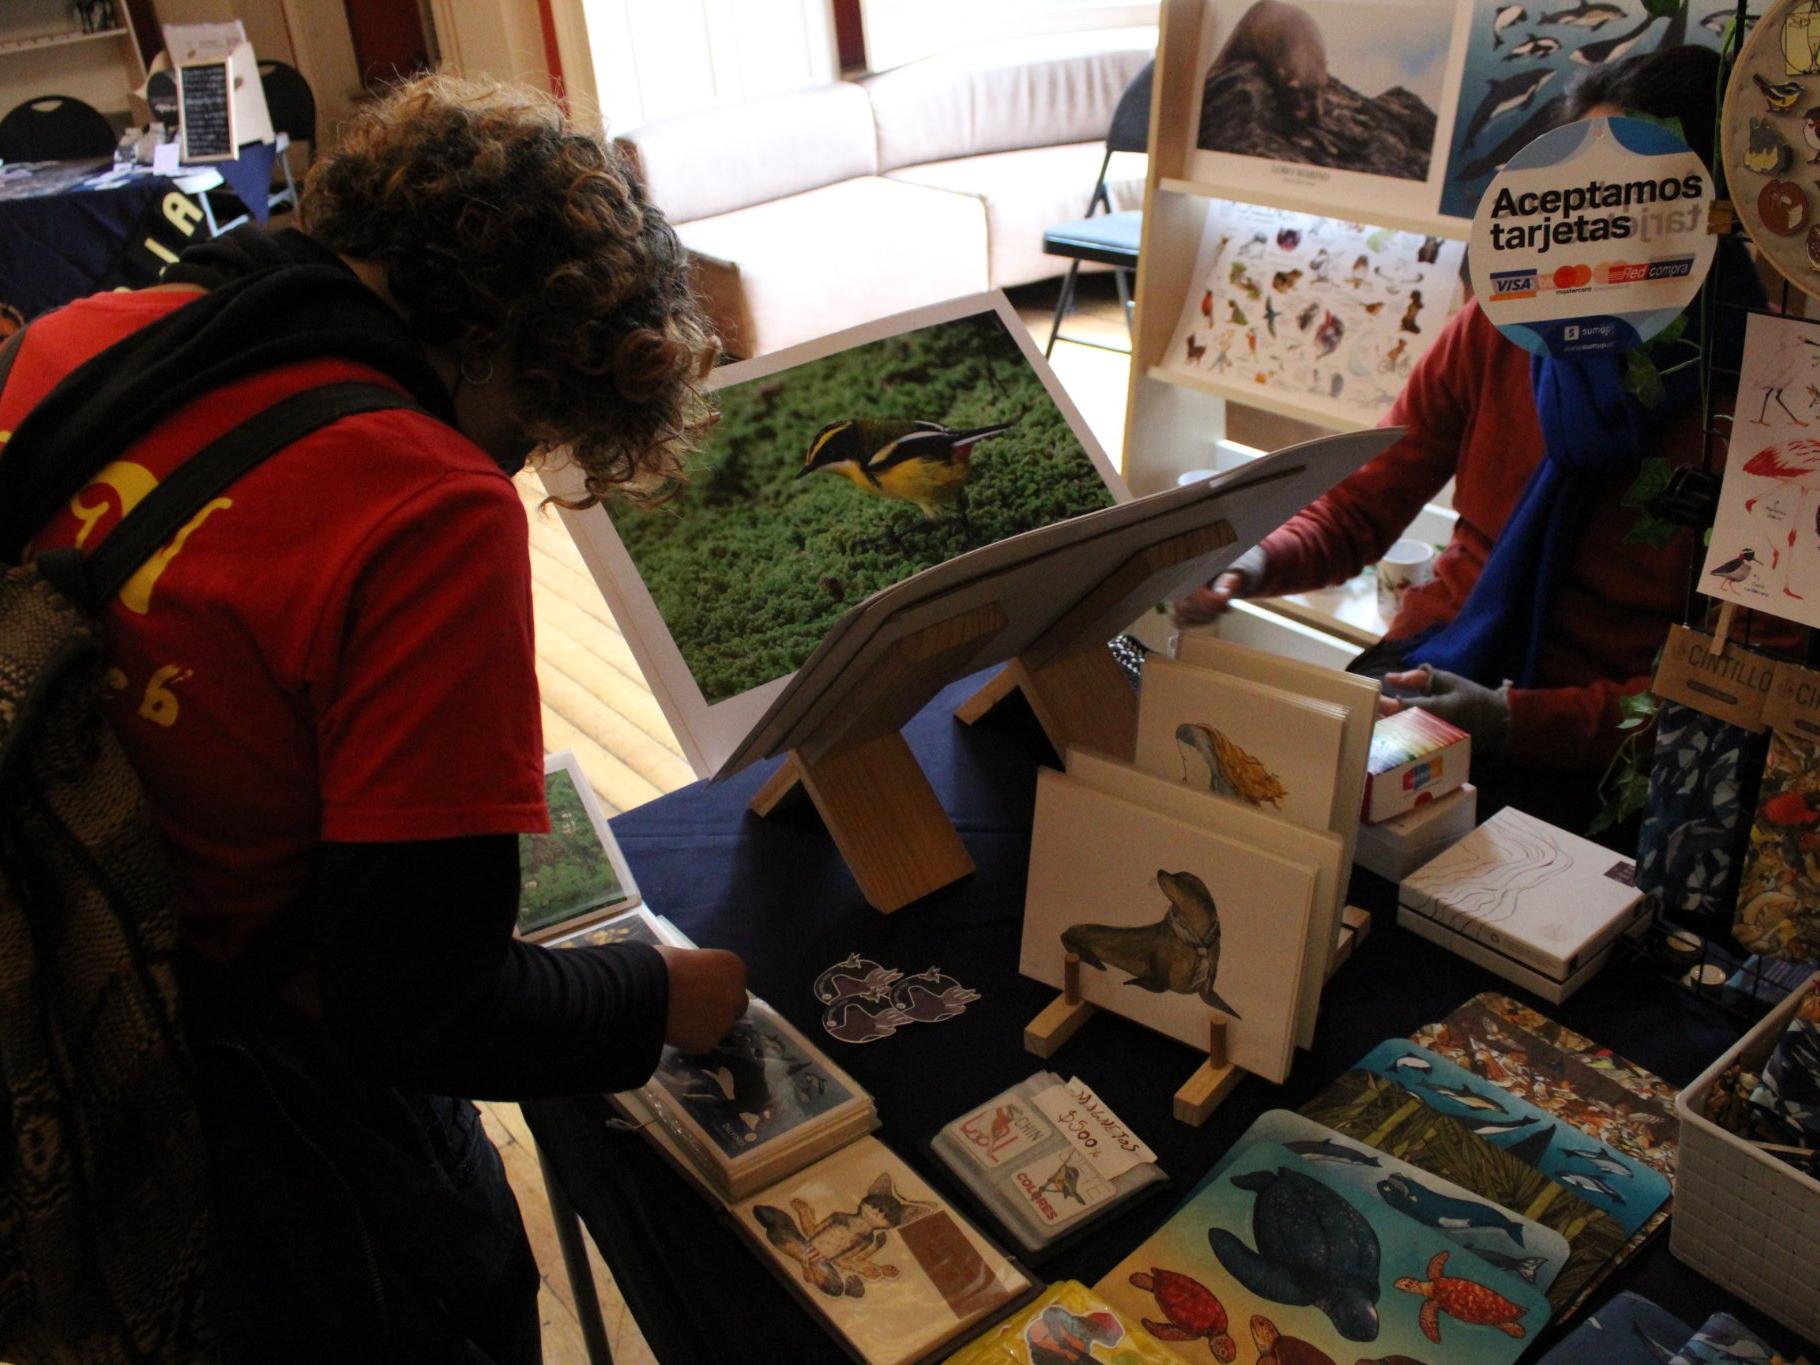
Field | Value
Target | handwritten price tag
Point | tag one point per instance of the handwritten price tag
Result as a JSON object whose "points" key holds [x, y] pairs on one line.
{"points": [[1093, 1129]]}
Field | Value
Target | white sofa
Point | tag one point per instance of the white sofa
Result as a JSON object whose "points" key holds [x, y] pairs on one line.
{"points": [[823, 208]]}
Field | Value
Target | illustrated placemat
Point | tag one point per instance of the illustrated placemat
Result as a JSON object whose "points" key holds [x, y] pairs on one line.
{"points": [[1636, 1079]]}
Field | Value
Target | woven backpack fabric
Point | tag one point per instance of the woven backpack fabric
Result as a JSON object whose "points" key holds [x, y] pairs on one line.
{"points": [[103, 1195]]}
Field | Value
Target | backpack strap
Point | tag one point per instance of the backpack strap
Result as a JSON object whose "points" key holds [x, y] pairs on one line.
{"points": [[94, 579], [9, 351]]}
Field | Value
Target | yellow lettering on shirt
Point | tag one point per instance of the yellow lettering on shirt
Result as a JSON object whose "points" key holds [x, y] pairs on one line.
{"points": [[136, 596], [159, 704], [115, 678], [126, 481]]}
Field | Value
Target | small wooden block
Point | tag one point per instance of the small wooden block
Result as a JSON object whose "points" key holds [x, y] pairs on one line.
{"points": [[786, 782], [1045, 1034], [1357, 920], [1354, 926], [1203, 1091], [975, 709]]}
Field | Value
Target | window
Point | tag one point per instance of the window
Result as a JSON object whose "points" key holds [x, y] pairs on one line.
{"points": [[899, 31]]}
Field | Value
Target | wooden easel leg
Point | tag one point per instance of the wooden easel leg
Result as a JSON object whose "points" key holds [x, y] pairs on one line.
{"points": [[1062, 1019], [778, 788], [977, 707], [884, 816], [1213, 1080], [1084, 698]]}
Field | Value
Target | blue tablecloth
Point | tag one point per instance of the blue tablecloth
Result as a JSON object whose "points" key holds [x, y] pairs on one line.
{"points": [[61, 239], [775, 891]]}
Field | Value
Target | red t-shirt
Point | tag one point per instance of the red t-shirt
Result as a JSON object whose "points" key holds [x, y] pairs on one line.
{"points": [[1471, 413], [337, 648]]}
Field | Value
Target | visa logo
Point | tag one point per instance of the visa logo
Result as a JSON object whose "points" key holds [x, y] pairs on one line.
{"points": [[1515, 284]]}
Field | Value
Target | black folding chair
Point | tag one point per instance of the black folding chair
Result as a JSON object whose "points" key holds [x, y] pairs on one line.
{"points": [[293, 109], [54, 128], [1108, 238]]}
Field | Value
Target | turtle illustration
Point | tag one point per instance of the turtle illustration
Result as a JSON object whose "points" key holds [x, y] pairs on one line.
{"points": [[1276, 1349], [1312, 1248], [1467, 1300], [1191, 1308]]}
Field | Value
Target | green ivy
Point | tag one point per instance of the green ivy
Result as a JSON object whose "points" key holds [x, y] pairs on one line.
{"points": [[1651, 482], [1624, 789]]}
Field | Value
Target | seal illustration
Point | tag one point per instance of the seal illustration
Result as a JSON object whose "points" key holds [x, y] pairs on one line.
{"points": [[1179, 953]]}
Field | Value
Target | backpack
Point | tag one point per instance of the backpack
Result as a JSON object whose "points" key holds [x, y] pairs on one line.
{"points": [[103, 1186]]}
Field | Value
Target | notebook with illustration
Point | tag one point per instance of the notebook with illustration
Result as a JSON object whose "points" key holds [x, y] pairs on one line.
{"points": [[1276, 1254], [1779, 892], [889, 1267], [1068, 1325], [575, 874]]}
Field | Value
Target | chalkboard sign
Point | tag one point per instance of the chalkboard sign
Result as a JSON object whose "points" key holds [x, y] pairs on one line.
{"points": [[205, 94]]}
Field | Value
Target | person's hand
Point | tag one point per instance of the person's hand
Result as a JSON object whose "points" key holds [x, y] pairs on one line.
{"points": [[707, 994], [1482, 712], [1208, 603]]}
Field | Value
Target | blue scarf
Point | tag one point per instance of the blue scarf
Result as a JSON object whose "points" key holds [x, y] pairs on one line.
{"points": [[1594, 435]]}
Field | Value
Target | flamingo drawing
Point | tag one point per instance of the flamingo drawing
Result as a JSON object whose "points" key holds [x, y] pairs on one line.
{"points": [[1792, 468]]}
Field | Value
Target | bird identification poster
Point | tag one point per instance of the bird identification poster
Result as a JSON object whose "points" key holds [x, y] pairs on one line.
{"points": [[1765, 547], [1338, 103], [838, 468], [1325, 315], [1171, 922]]}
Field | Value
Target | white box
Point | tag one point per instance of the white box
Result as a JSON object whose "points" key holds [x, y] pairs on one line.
{"points": [[1529, 894], [1398, 847], [1416, 757], [1503, 965]]}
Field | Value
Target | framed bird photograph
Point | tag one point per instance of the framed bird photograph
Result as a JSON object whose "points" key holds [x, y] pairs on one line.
{"points": [[1171, 921], [575, 874], [1344, 104], [838, 468]]}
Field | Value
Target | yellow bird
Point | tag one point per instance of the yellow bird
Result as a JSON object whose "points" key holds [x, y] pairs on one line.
{"points": [[918, 462]]}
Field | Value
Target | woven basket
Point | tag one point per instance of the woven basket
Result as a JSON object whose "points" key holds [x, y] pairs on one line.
{"points": [[1744, 1218]]}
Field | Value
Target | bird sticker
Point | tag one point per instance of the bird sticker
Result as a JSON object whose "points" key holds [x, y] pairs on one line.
{"points": [[1780, 98], [1271, 315], [1328, 336], [1409, 324], [1207, 305], [1738, 569], [1285, 280], [1238, 318], [1505, 95], [1533, 46], [1179, 953], [1231, 771], [1507, 17], [1196, 349], [1591, 17], [1766, 153], [1288, 239], [923, 463]]}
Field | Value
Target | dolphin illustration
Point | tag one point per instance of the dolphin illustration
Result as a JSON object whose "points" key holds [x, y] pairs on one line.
{"points": [[1179, 953], [1326, 1149], [1611, 49], [1504, 94], [1443, 1211], [1593, 1157]]}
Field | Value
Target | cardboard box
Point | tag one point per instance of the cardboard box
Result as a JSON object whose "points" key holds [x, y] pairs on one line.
{"points": [[1416, 757], [1398, 846], [1533, 903]]}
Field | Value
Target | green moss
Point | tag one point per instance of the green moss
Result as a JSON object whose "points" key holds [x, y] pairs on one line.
{"points": [[750, 566]]}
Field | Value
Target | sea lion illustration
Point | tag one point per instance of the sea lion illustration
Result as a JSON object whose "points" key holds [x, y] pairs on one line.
{"points": [[1178, 953], [1286, 45]]}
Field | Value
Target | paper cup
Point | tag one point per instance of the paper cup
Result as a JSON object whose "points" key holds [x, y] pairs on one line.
{"points": [[1405, 565]]}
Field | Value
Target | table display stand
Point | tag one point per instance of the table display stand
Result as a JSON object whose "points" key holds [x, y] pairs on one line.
{"points": [[1069, 678]]}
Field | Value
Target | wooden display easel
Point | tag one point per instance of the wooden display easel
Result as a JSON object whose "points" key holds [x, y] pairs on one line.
{"points": [[867, 785], [1213, 1080], [1069, 677]]}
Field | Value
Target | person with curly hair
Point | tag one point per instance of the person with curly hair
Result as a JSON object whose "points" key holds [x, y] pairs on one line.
{"points": [[326, 684]]}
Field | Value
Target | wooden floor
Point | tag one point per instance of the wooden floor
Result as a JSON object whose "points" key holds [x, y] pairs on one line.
{"points": [[595, 703]]}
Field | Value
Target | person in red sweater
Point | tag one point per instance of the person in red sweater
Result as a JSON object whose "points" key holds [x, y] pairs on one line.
{"points": [[1474, 409]]}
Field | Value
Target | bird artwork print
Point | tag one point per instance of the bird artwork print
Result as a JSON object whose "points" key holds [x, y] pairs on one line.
{"points": [[1780, 97], [923, 463], [1736, 570], [1230, 770]]}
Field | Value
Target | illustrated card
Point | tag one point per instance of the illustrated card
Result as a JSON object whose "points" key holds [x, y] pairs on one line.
{"points": [[1382, 1114], [1171, 922], [1520, 61], [1626, 1330], [1239, 739], [877, 1254], [1764, 552], [1326, 314], [637, 925], [1508, 1240], [759, 1084], [1627, 1189], [838, 468], [1069, 1323], [1002, 1131], [1515, 1059], [576, 871], [1339, 101], [1275, 1251], [1644, 1084]]}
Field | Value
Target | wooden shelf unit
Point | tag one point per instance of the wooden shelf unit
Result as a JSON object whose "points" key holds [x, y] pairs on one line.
{"points": [[1429, 225], [40, 55]]}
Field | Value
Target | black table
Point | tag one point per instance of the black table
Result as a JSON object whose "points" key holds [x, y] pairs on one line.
{"points": [[774, 891], [68, 229]]}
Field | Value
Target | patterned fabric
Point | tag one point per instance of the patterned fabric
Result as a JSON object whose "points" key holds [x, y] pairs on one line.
{"points": [[1701, 787], [1779, 893], [101, 1202], [1787, 1099], [1723, 1339]]}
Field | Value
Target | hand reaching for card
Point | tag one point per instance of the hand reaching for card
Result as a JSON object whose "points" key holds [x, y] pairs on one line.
{"points": [[707, 994]]}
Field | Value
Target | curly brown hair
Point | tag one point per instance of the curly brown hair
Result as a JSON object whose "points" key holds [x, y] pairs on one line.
{"points": [[502, 227]]}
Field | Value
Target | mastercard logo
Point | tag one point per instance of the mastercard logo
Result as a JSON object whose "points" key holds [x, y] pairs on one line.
{"points": [[1573, 276]]}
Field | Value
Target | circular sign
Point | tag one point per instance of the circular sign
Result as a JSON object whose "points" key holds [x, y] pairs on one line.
{"points": [[1769, 138], [1593, 237]]}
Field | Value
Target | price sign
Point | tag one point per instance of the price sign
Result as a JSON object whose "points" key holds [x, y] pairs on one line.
{"points": [[205, 102]]}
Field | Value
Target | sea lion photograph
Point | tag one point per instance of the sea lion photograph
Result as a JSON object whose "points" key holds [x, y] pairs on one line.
{"points": [[1277, 88]]}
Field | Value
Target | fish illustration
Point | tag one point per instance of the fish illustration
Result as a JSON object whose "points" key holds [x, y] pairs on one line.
{"points": [[1503, 19], [1591, 1183], [1495, 1127], [1525, 1267], [1443, 1211], [1465, 1097], [1611, 49], [1590, 17], [1534, 46], [931, 997], [1180, 952], [1505, 95], [854, 976], [860, 1019], [1326, 1149]]}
